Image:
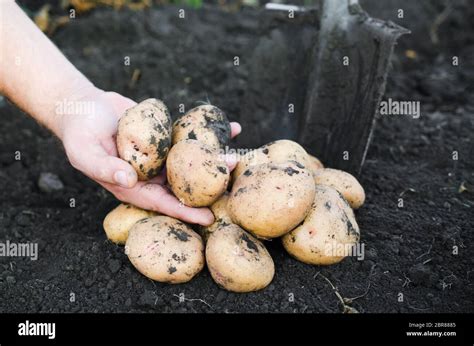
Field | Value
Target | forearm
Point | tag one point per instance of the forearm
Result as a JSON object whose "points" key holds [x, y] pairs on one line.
{"points": [[33, 72]]}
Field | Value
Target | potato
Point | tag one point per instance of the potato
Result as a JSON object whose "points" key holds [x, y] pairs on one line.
{"points": [[118, 222], [328, 232], [269, 200], [237, 261], [207, 124], [221, 216], [274, 152], [251, 158], [165, 249], [285, 150], [144, 137], [314, 163], [196, 173], [343, 182]]}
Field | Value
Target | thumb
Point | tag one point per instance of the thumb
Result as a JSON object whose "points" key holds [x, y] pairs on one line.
{"points": [[111, 169], [97, 164]]}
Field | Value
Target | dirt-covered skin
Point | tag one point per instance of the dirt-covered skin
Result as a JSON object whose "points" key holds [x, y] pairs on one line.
{"points": [[328, 233], [409, 159], [237, 261], [269, 200], [117, 222], [144, 137], [206, 124], [197, 174], [275, 152], [221, 217], [343, 182], [165, 249]]}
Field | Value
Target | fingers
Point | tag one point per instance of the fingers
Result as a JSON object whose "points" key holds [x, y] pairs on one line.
{"points": [[112, 170], [235, 129], [96, 163], [158, 198]]}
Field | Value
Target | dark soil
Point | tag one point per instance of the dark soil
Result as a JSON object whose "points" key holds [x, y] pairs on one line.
{"points": [[408, 250]]}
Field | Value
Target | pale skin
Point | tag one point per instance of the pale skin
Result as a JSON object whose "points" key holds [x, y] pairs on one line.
{"points": [[37, 77]]}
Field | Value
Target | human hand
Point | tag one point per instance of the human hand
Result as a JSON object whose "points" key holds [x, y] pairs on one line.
{"points": [[90, 144]]}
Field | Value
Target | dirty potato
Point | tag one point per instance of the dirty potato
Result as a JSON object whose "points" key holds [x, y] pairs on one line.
{"points": [[251, 158], [328, 233], [197, 174], [274, 152], [206, 123], [221, 216], [343, 182], [285, 150], [237, 261], [165, 249], [270, 199], [144, 137], [118, 222]]}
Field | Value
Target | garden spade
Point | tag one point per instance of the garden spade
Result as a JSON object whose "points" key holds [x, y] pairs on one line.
{"points": [[317, 76]]}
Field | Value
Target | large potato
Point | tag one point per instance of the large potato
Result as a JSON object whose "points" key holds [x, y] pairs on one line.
{"points": [[274, 152], [165, 249], [328, 233], [343, 182], [221, 216], [237, 261], [207, 124], [118, 222], [269, 200], [197, 174], [144, 137]]}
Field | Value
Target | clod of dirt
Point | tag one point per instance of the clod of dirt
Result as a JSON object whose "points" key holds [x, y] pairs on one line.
{"points": [[23, 219], [89, 282], [394, 246], [49, 182], [147, 299], [114, 265], [421, 274]]}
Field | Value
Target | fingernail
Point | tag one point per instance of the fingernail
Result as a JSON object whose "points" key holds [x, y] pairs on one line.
{"points": [[120, 178], [238, 127], [132, 177]]}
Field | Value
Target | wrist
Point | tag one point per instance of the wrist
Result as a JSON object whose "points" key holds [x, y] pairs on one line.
{"points": [[78, 101]]}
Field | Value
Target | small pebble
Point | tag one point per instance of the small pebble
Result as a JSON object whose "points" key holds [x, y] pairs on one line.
{"points": [[111, 284], [23, 219], [49, 182], [147, 298], [114, 265]]}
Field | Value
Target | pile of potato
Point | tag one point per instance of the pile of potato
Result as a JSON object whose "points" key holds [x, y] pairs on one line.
{"points": [[277, 190]]}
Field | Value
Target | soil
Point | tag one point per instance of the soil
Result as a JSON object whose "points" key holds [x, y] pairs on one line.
{"points": [[408, 249]]}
